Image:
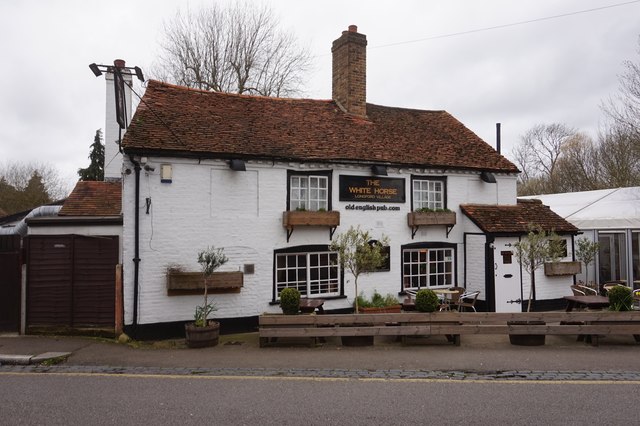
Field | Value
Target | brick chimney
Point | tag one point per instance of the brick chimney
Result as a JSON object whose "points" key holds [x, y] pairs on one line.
{"points": [[350, 71]]}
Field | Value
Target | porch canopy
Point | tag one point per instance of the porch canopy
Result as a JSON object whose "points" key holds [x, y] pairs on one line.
{"points": [[617, 208]]}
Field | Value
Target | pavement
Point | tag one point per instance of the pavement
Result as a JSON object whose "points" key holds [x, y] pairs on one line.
{"points": [[478, 357]]}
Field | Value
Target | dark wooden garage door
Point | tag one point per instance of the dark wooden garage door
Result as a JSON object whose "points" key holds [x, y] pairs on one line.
{"points": [[71, 281], [10, 282]]}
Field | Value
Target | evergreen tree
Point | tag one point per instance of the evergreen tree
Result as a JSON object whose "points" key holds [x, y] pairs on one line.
{"points": [[95, 171], [35, 193]]}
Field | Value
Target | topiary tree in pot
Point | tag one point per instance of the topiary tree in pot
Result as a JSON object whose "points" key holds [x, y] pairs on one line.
{"points": [[426, 300], [290, 301], [586, 252], [357, 255], [538, 247], [203, 332]]}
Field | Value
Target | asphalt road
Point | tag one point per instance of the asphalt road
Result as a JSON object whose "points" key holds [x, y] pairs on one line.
{"points": [[78, 398]]}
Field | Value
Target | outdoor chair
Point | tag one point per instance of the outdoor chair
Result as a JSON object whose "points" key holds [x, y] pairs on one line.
{"points": [[577, 291], [468, 300], [588, 291]]}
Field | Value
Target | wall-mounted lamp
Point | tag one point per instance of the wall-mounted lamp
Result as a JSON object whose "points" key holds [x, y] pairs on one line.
{"points": [[488, 177], [379, 170], [238, 165]]}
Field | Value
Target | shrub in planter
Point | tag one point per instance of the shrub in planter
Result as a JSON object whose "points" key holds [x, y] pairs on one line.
{"points": [[426, 301], [620, 298], [290, 301]]}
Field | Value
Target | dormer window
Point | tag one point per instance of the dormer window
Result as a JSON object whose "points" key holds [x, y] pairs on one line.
{"points": [[309, 191]]}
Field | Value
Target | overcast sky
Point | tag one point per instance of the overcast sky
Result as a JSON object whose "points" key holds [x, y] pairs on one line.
{"points": [[421, 54]]}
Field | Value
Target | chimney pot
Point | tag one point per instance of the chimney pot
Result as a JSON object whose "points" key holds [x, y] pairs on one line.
{"points": [[353, 28]]}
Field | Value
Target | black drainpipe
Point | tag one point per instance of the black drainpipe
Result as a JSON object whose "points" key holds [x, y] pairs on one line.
{"points": [[136, 258]]}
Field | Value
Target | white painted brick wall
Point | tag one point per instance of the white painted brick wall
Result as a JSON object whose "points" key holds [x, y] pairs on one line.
{"points": [[476, 265], [209, 204]]}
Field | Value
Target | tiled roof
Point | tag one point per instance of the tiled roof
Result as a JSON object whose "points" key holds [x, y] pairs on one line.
{"points": [[515, 219], [210, 124], [94, 198]]}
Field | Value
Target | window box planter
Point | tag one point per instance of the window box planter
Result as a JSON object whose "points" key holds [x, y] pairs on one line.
{"points": [[191, 282], [396, 309], [417, 219], [293, 218], [562, 268]]}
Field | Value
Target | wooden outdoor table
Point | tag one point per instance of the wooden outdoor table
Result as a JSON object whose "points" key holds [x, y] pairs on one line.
{"points": [[308, 306], [591, 302]]}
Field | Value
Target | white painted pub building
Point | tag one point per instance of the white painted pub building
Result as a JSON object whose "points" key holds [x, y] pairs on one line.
{"points": [[272, 181]]}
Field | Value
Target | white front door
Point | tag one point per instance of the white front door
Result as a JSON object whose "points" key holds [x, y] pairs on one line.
{"points": [[508, 294]]}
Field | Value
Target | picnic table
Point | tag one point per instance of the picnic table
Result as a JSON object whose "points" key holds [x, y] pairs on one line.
{"points": [[308, 306], [591, 302]]}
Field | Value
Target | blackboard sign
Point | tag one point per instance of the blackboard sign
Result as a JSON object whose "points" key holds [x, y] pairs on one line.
{"points": [[371, 189]]}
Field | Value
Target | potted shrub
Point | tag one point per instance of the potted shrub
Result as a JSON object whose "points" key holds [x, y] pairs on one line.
{"points": [[290, 301], [204, 332], [358, 257], [378, 303], [427, 300], [620, 298], [533, 251], [586, 252]]}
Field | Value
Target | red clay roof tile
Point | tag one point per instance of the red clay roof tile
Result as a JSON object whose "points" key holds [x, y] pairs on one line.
{"points": [[515, 219], [174, 120], [94, 198]]}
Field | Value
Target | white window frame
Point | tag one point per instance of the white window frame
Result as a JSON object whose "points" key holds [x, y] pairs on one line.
{"points": [[308, 192], [428, 193], [426, 265], [307, 276]]}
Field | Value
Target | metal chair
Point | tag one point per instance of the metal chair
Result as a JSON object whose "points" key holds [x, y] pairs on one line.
{"points": [[468, 300]]}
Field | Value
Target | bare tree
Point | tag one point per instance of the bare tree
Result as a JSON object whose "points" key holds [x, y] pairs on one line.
{"points": [[18, 175], [619, 157], [538, 153], [237, 49], [624, 108], [578, 168]]}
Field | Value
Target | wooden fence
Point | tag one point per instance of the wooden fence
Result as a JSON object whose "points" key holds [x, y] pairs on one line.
{"points": [[451, 324]]}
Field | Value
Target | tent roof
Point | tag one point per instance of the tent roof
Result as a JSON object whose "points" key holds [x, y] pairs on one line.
{"points": [[617, 208]]}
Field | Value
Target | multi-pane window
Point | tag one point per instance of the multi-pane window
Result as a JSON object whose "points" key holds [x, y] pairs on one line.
{"points": [[313, 274], [309, 193], [424, 268], [428, 194]]}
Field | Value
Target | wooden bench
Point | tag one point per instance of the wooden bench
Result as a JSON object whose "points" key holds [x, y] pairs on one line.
{"points": [[450, 324]]}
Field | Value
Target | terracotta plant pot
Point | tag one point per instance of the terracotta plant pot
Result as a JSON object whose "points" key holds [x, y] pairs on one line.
{"points": [[202, 337]]}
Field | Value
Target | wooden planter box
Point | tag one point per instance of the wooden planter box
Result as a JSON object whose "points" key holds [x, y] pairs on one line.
{"points": [[431, 218], [562, 268], [191, 282], [396, 309], [310, 218]]}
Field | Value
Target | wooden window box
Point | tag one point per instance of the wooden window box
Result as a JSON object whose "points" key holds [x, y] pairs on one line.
{"points": [[562, 268], [293, 218], [191, 282], [417, 219], [431, 218]]}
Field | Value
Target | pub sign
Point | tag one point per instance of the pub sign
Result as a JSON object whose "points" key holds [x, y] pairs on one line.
{"points": [[372, 189]]}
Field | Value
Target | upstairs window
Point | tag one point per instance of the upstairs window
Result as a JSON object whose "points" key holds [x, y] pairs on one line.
{"points": [[309, 191], [428, 193]]}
